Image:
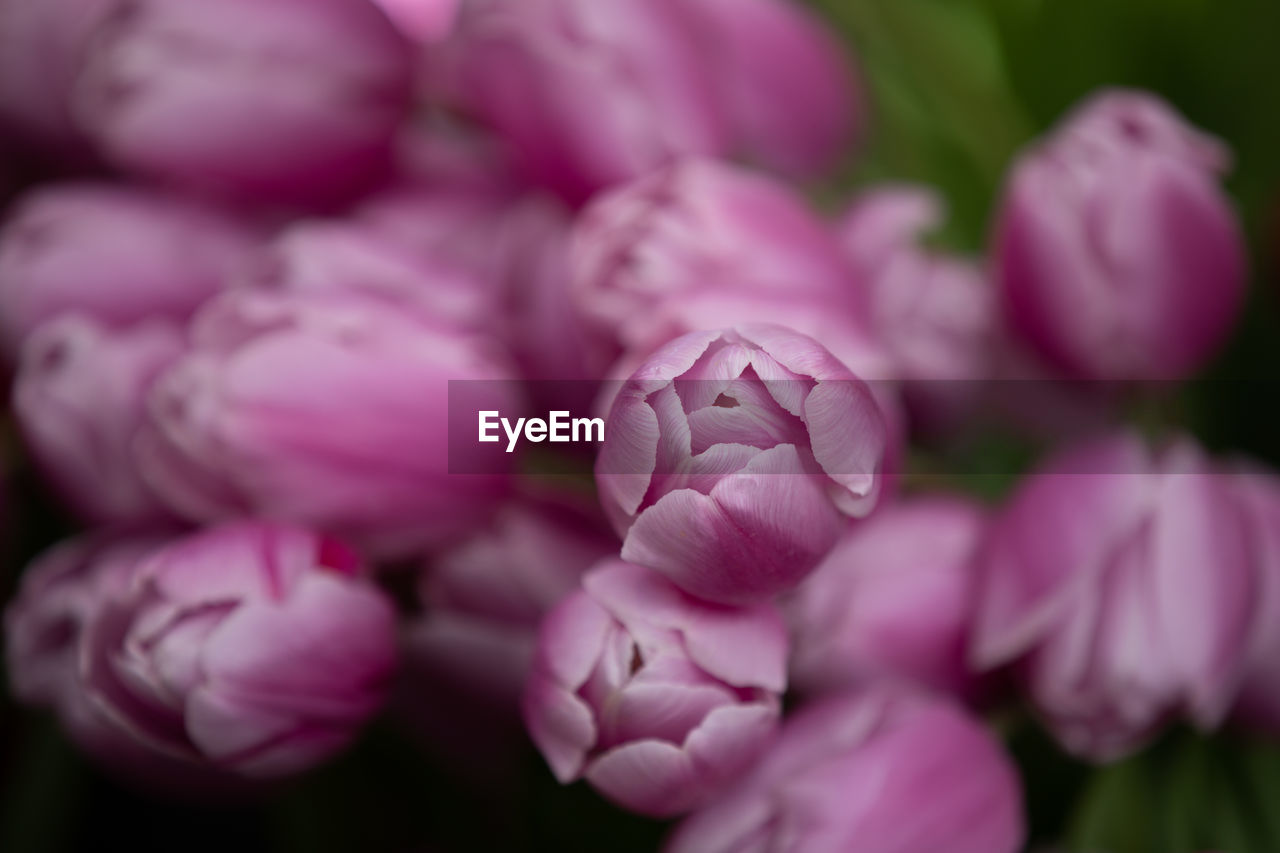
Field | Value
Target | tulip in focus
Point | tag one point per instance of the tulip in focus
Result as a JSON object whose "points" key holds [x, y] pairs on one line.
{"points": [[894, 600], [289, 101], [80, 398], [253, 648], [330, 410], [656, 698], [592, 94], [876, 772], [1118, 255], [117, 254], [732, 461], [1121, 583]]}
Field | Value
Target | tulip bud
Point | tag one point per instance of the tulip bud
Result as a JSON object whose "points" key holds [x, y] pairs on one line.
{"points": [[42, 43], [422, 20], [293, 101], [47, 621], [1120, 583], [876, 772], [658, 699], [329, 410], [80, 399], [893, 601], [485, 598], [796, 113], [593, 94], [1118, 255], [935, 313], [732, 460], [119, 255], [253, 648], [702, 245]]}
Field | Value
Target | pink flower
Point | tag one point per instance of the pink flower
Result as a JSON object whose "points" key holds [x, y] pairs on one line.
{"points": [[293, 101], [893, 601], [252, 648], [1122, 584], [330, 410], [658, 699], [732, 460], [876, 772], [593, 94], [1118, 255], [118, 254], [422, 20], [80, 398]]}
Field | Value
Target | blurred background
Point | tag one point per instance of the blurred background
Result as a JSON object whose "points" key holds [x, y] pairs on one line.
{"points": [[956, 88]]}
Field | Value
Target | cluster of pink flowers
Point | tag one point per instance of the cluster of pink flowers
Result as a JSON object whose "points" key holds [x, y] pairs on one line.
{"points": [[275, 233]]}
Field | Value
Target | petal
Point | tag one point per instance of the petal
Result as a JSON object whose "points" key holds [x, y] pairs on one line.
{"points": [[560, 724], [649, 777], [848, 437]]}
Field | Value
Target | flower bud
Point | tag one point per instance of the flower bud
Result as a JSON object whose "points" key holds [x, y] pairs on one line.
{"points": [[895, 600], [658, 699], [80, 399], [42, 43], [701, 245], [485, 598], [1119, 257], [594, 94], [1120, 582], [876, 772], [120, 255], [293, 101], [329, 410], [253, 648], [935, 313], [732, 460]]}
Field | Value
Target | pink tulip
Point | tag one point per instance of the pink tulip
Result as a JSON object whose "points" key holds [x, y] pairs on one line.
{"points": [[120, 255], [42, 43], [485, 598], [330, 410], [80, 399], [733, 459], [1120, 582], [292, 101], [594, 94], [893, 601], [656, 698], [702, 245], [253, 648], [877, 772], [1118, 255], [935, 312]]}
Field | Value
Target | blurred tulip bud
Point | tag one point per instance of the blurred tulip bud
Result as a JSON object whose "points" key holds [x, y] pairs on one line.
{"points": [[42, 44], [118, 254], [422, 20], [1118, 255], [895, 600], [876, 772], [330, 410], [935, 313], [253, 648], [796, 113], [593, 94], [46, 623], [701, 245], [485, 598], [658, 699], [732, 460], [80, 399], [1120, 582], [290, 101]]}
